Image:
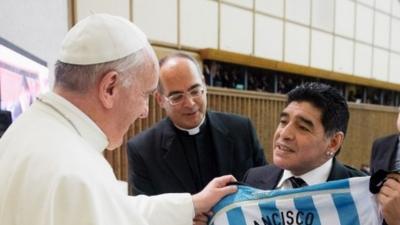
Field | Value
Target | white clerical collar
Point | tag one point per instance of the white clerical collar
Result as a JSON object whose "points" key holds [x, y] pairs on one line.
{"points": [[194, 130], [78, 120], [315, 176]]}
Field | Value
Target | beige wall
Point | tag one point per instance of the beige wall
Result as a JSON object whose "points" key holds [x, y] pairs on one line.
{"points": [[357, 37], [35, 26]]}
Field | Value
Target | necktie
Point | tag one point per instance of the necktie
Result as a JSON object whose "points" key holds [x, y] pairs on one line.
{"points": [[297, 182]]}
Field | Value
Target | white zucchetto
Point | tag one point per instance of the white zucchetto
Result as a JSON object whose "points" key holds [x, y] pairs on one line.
{"points": [[101, 38]]}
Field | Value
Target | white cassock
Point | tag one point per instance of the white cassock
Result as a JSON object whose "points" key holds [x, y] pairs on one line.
{"points": [[52, 172]]}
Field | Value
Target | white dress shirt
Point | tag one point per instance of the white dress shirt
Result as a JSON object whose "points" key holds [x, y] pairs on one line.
{"points": [[315, 176]]}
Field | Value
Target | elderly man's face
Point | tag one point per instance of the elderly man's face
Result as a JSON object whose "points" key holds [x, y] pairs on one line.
{"points": [[180, 76], [300, 143], [133, 102]]}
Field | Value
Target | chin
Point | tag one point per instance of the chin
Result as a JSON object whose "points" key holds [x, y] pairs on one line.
{"points": [[279, 162], [112, 145], [188, 126]]}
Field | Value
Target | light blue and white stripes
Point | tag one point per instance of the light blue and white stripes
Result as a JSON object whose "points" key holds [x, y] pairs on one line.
{"points": [[341, 202]]}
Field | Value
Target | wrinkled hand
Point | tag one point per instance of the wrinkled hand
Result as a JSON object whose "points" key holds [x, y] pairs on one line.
{"points": [[212, 193], [389, 199]]}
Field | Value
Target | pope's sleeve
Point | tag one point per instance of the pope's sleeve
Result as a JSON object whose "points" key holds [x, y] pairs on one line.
{"points": [[78, 201], [174, 209]]}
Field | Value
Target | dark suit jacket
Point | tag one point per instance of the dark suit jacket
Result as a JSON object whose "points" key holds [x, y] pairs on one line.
{"points": [[267, 177], [157, 163], [383, 153]]}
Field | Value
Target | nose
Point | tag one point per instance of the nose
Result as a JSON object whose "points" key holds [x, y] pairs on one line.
{"points": [[286, 132], [188, 100], [145, 112]]}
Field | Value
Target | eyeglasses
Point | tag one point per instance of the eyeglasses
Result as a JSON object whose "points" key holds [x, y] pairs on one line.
{"points": [[178, 98]]}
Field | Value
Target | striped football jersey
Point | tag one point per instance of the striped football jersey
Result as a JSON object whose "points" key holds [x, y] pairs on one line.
{"points": [[340, 202]]}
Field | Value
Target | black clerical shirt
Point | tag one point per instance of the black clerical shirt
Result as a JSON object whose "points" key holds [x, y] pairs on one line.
{"points": [[200, 155]]}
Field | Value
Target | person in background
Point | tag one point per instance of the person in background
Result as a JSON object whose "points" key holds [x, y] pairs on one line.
{"points": [[191, 146], [52, 170], [385, 155], [309, 135]]}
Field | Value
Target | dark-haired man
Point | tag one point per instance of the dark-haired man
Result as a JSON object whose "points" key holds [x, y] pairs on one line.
{"points": [[184, 151], [309, 135], [385, 155]]}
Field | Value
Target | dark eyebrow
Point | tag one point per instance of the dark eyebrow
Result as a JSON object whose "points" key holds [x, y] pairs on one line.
{"points": [[284, 114], [180, 92], [306, 121], [301, 118], [194, 86]]}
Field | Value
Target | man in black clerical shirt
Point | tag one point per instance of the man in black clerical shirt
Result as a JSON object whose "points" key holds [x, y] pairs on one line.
{"points": [[188, 148]]}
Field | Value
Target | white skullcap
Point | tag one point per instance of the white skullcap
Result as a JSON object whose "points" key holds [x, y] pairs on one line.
{"points": [[101, 38]]}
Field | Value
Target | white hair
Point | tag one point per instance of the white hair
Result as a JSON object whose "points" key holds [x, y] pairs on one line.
{"points": [[81, 78]]}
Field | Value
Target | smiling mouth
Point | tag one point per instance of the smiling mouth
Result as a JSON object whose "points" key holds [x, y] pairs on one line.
{"points": [[190, 114], [283, 148]]}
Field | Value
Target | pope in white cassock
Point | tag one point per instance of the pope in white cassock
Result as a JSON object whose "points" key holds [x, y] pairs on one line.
{"points": [[52, 171]]}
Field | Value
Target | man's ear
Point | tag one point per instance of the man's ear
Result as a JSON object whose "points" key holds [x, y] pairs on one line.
{"points": [[160, 99], [107, 89], [336, 142]]}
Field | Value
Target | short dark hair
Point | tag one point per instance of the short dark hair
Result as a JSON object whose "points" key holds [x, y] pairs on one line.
{"points": [[334, 110], [180, 55], [177, 55]]}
